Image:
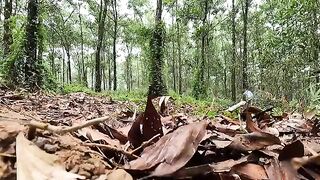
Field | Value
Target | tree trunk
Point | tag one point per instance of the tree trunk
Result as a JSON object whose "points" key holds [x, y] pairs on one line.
{"points": [[7, 34], [173, 56], [315, 38], [83, 72], [69, 65], [32, 70], [102, 17], [245, 47], [157, 86], [233, 71], [115, 19], [199, 88], [179, 52], [109, 71], [63, 66]]}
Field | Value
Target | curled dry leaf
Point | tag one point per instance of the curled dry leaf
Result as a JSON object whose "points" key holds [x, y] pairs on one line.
{"points": [[33, 163], [146, 125], [172, 151], [253, 141]]}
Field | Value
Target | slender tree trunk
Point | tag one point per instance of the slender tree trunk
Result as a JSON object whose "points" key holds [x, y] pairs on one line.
{"points": [[83, 73], [245, 47], [32, 70], [233, 70], [102, 17], [316, 44], [7, 34], [179, 52], [92, 73], [115, 19], [69, 65], [63, 66], [173, 56], [109, 71], [157, 86], [199, 89]]}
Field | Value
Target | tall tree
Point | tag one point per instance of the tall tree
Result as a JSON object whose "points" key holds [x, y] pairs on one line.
{"points": [[157, 86], [101, 25], [200, 87], [32, 69], [115, 30], [83, 70], [233, 69], [245, 46], [7, 34], [179, 51], [173, 49]]}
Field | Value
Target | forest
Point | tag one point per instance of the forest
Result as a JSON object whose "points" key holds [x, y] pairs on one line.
{"points": [[204, 48], [159, 89]]}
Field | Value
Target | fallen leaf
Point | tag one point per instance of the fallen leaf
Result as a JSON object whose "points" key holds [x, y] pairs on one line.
{"points": [[225, 166], [172, 151], [111, 132], [253, 141], [146, 125], [95, 135], [163, 104], [280, 170], [250, 171], [119, 174], [295, 149], [33, 163], [250, 125], [299, 162]]}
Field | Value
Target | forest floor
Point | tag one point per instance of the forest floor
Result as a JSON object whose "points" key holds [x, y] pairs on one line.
{"points": [[78, 136]]}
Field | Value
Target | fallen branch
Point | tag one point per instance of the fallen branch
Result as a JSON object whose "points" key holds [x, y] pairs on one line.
{"points": [[236, 106], [145, 144], [112, 148], [65, 129]]}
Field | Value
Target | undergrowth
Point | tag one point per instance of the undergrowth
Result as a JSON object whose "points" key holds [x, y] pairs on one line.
{"points": [[207, 107]]}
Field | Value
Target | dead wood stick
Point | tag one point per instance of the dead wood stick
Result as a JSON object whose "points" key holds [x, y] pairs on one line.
{"points": [[112, 148], [145, 144], [65, 129]]}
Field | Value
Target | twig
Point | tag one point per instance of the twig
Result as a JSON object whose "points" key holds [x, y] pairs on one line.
{"points": [[65, 129], [112, 148], [145, 144]]}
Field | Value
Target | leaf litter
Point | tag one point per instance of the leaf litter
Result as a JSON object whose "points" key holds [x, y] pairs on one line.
{"points": [[77, 136]]}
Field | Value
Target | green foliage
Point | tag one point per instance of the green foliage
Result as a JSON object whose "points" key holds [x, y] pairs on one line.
{"points": [[313, 94], [71, 88]]}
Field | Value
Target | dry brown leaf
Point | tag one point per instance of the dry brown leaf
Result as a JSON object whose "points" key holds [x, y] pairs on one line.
{"points": [[95, 135], [119, 174], [172, 151], [34, 164], [295, 149], [250, 125], [253, 141], [299, 162], [280, 170], [146, 125], [250, 171], [163, 104], [225, 166]]}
